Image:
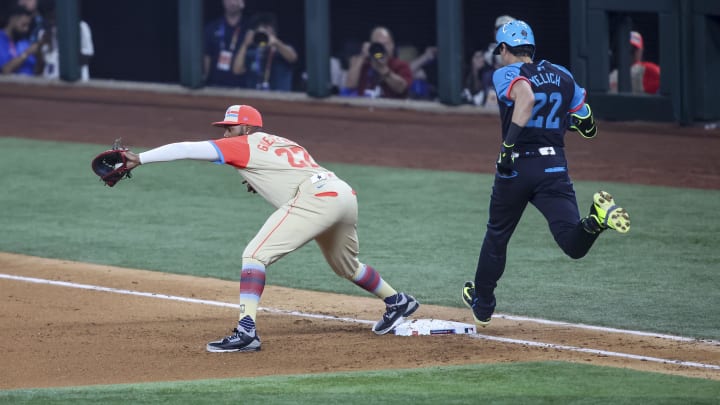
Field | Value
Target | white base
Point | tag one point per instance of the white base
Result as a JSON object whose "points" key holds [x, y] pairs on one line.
{"points": [[421, 327]]}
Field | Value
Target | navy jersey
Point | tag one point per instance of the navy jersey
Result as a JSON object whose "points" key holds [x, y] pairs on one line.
{"points": [[221, 37], [556, 95]]}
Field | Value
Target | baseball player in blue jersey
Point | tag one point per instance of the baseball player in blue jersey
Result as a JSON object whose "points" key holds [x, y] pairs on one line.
{"points": [[538, 102]]}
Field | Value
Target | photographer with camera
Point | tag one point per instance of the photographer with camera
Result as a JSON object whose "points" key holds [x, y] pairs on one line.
{"points": [[265, 61], [376, 72]]}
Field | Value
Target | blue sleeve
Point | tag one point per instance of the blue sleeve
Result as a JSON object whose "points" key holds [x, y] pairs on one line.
{"points": [[578, 100], [502, 78], [221, 157], [583, 111], [5, 56]]}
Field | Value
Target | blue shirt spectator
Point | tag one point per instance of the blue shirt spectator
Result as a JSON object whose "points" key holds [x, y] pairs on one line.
{"points": [[17, 54]]}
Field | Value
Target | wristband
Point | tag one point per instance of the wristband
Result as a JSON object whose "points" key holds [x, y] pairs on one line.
{"points": [[512, 135]]}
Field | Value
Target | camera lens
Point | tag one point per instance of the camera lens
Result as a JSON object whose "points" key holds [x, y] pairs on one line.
{"points": [[377, 50], [260, 38]]}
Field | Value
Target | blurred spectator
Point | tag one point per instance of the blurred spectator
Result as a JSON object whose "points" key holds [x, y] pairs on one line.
{"points": [[478, 82], [423, 86], [376, 72], [222, 40], [479, 88], [38, 22], [340, 63], [491, 59], [265, 61], [18, 54], [644, 76], [49, 49]]}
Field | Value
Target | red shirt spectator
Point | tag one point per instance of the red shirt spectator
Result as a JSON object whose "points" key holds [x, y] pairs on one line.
{"points": [[376, 72], [644, 76], [370, 79]]}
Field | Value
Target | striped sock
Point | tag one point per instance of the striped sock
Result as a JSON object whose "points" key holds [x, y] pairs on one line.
{"points": [[369, 280], [252, 284], [247, 323]]}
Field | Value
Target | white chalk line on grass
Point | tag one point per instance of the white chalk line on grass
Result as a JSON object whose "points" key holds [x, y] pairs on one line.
{"points": [[352, 320]]}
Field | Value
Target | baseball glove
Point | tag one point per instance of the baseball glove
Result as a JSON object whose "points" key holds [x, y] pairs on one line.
{"points": [[111, 165]]}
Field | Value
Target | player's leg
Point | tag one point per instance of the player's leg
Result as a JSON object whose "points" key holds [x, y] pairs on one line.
{"points": [[340, 246], [507, 202], [558, 204], [287, 229]]}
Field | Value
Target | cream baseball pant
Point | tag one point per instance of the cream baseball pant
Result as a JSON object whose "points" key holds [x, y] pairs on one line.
{"points": [[325, 209]]}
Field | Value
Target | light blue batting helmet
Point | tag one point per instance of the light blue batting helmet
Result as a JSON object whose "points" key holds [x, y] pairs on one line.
{"points": [[514, 33]]}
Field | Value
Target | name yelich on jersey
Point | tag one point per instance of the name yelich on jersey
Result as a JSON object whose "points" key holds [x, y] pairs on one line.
{"points": [[545, 78]]}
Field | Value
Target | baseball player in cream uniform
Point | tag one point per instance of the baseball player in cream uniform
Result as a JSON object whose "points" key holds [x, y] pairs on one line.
{"points": [[312, 203]]}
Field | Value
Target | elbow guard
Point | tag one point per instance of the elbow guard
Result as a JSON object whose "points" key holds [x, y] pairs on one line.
{"points": [[583, 122]]}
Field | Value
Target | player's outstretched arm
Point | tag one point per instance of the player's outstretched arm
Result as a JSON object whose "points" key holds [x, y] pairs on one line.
{"points": [[203, 150]]}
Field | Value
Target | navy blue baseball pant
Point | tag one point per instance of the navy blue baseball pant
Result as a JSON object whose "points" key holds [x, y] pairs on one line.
{"points": [[542, 181]]}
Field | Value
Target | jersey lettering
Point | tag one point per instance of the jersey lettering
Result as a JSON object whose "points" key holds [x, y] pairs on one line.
{"points": [[556, 94], [297, 156], [265, 143]]}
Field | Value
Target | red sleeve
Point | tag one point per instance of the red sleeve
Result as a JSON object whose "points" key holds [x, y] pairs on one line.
{"points": [[512, 83], [401, 68], [651, 78], [234, 151]]}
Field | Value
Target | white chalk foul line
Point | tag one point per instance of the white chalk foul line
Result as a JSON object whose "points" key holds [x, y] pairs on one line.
{"points": [[605, 329], [352, 320], [597, 351]]}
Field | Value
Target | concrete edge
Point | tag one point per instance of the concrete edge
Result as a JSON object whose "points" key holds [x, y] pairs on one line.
{"points": [[166, 88]]}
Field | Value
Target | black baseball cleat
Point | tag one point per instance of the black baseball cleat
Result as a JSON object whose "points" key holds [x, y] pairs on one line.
{"points": [[240, 341], [397, 307], [470, 300]]}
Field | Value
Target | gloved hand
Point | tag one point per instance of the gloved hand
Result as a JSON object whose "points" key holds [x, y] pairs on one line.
{"points": [[113, 165], [506, 161], [250, 188]]}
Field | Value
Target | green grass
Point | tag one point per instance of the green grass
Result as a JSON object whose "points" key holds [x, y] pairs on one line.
{"points": [[518, 383], [421, 229]]}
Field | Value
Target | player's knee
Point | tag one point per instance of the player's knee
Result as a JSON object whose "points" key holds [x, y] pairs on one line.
{"points": [[254, 260], [575, 254]]}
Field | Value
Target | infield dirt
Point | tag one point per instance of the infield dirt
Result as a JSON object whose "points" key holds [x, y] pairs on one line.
{"points": [[58, 336]]}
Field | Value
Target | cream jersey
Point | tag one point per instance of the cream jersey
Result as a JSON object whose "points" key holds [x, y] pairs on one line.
{"points": [[274, 166]]}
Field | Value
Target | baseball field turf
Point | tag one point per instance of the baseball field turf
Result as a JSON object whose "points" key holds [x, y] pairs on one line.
{"points": [[422, 229]]}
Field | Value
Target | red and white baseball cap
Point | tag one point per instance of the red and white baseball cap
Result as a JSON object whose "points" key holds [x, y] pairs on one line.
{"points": [[239, 115], [636, 39]]}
